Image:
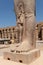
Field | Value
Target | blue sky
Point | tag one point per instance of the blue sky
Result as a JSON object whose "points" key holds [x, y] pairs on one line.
{"points": [[39, 10], [7, 14]]}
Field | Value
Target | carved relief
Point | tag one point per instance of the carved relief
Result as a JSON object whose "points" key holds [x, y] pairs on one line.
{"points": [[20, 19], [26, 23]]}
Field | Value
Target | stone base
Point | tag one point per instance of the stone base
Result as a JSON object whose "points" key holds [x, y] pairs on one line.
{"points": [[23, 57]]}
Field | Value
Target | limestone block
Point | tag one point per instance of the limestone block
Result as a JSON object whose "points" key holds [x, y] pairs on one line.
{"points": [[23, 57]]}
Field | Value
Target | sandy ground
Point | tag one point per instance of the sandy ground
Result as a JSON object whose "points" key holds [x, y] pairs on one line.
{"points": [[38, 61]]}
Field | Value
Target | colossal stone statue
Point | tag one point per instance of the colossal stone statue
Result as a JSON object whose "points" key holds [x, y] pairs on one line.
{"points": [[25, 13]]}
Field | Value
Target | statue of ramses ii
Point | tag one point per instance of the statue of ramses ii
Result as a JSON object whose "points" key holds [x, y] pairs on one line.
{"points": [[25, 14]]}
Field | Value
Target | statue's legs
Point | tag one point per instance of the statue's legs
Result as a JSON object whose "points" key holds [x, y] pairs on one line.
{"points": [[29, 40], [25, 14], [29, 24]]}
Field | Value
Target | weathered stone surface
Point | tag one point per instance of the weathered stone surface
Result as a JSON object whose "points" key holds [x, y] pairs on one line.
{"points": [[25, 13], [26, 57]]}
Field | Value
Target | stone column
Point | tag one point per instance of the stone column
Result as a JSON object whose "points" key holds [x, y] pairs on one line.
{"points": [[36, 33], [17, 38], [2, 35], [8, 34], [5, 33], [42, 33]]}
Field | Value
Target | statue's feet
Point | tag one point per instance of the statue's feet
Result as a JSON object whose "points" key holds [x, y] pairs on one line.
{"points": [[24, 47], [14, 46]]}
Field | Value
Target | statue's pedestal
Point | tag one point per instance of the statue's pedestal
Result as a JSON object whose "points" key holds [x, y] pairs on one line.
{"points": [[23, 57]]}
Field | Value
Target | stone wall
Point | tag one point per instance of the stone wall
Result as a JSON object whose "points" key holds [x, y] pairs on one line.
{"points": [[9, 33], [13, 34]]}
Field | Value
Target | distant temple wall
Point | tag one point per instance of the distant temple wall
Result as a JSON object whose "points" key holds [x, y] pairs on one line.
{"points": [[8, 33], [13, 34]]}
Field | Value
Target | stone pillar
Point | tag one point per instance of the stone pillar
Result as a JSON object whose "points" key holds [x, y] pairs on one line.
{"points": [[17, 37], [12, 34], [42, 33], [8, 34], [2, 35], [36, 31], [5, 33]]}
